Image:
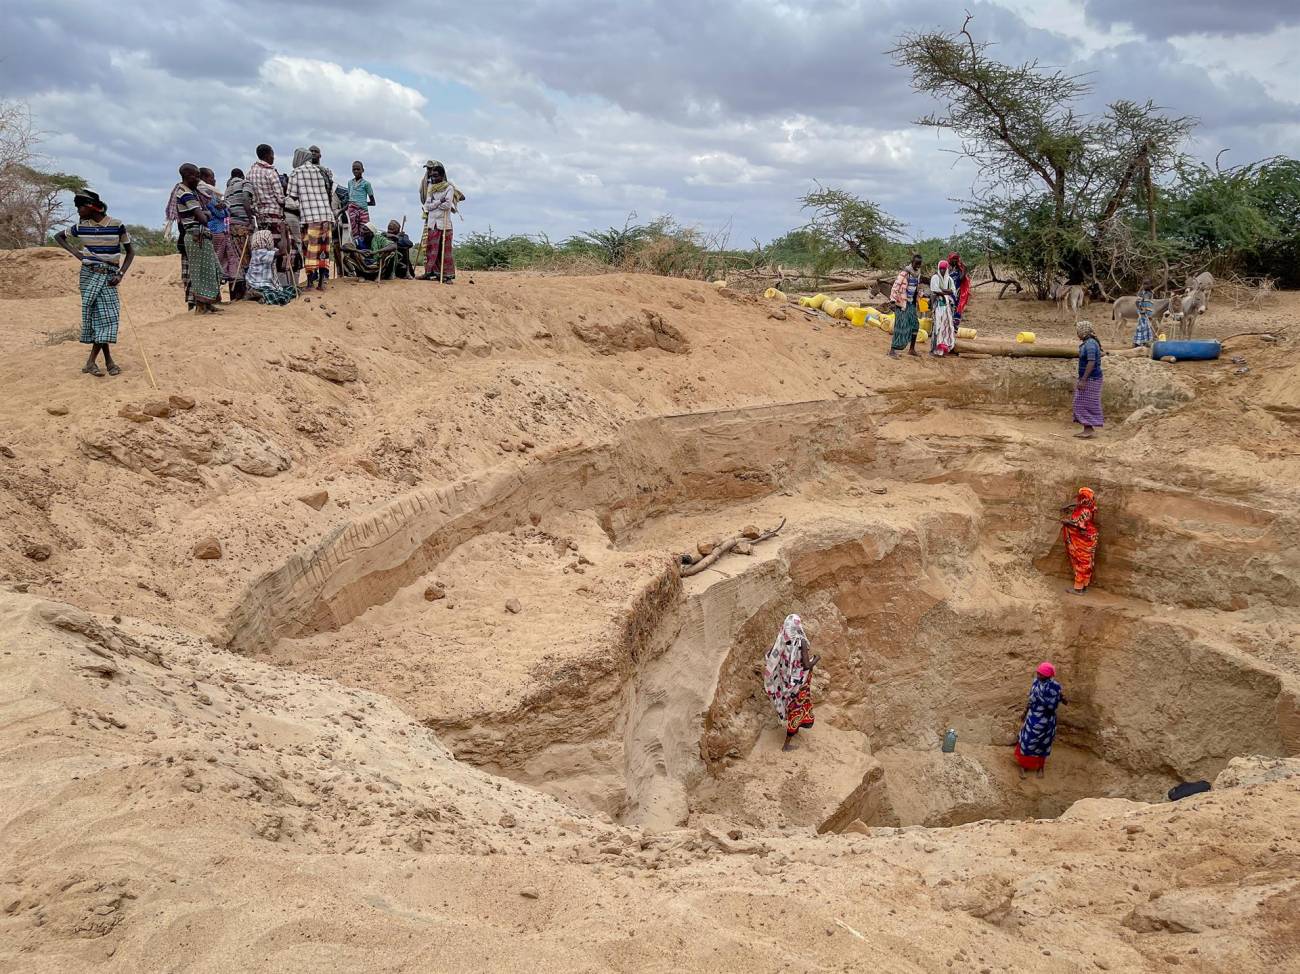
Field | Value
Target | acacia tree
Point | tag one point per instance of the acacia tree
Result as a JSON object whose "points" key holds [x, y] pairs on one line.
{"points": [[859, 226], [31, 204], [1037, 154]]}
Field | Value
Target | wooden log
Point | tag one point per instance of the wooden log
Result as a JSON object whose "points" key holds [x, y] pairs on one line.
{"points": [[1010, 349], [726, 546], [849, 286], [993, 346]]}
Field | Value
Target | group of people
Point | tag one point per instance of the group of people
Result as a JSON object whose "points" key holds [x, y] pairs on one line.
{"points": [[789, 664], [265, 227], [255, 237], [949, 294]]}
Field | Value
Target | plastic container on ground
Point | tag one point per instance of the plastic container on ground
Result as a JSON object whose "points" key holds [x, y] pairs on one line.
{"points": [[1192, 350], [1026, 337]]}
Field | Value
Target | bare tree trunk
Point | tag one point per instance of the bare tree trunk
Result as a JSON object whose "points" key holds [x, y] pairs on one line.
{"points": [[1151, 206]]}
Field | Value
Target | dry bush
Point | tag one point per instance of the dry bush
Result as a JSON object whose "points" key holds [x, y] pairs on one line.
{"points": [[573, 263], [1245, 292]]}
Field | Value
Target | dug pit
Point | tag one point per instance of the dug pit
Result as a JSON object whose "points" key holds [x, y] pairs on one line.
{"points": [[925, 562]]}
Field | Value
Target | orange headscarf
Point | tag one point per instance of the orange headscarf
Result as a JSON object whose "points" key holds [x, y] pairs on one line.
{"points": [[1086, 497]]}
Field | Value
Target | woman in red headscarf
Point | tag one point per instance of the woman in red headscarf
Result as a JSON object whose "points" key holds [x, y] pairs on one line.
{"points": [[1038, 722], [961, 280], [1080, 532]]}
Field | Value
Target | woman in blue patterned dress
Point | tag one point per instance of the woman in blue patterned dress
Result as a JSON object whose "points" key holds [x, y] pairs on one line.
{"points": [[1038, 727]]}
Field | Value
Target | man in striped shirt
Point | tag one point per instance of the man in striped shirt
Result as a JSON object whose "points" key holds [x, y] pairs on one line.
{"points": [[264, 180], [99, 242]]}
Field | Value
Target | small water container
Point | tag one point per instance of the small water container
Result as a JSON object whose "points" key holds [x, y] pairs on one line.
{"points": [[950, 741]]}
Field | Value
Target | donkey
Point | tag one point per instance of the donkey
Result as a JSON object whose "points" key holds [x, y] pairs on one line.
{"points": [[1071, 300], [1203, 282], [1193, 305]]}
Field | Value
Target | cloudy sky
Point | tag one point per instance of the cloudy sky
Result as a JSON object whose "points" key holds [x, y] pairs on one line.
{"points": [[563, 115]]}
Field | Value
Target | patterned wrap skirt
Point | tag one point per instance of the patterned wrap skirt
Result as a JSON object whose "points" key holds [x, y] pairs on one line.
{"points": [[240, 236], [205, 273], [100, 308], [276, 295], [799, 712], [1087, 402], [906, 325], [433, 255], [1082, 552], [316, 247], [358, 217]]}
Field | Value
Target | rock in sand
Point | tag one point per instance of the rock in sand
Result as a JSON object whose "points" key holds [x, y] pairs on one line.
{"points": [[316, 499], [207, 549]]}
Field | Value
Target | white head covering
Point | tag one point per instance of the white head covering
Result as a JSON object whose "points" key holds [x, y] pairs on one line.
{"points": [[783, 672]]}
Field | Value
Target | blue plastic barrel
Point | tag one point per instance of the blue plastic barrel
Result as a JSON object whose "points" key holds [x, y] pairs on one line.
{"points": [[1196, 350]]}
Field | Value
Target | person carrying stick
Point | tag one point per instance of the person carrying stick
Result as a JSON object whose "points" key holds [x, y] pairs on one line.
{"points": [[101, 242], [440, 199]]}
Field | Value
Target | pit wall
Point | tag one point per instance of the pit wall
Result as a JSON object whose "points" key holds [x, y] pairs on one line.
{"points": [[670, 463], [923, 627]]}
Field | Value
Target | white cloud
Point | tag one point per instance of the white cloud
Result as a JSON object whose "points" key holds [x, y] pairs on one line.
{"points": [[563, 115]]}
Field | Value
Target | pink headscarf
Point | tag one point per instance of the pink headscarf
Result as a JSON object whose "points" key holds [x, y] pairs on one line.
{"points": [[1046, 670]]}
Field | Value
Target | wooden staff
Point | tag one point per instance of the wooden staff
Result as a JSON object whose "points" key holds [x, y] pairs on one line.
{"points": [[442, 249], [139, 341]]}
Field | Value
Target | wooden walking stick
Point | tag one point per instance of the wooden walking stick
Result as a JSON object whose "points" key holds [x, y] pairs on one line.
{"points": [[139, 341], [442, 250]]}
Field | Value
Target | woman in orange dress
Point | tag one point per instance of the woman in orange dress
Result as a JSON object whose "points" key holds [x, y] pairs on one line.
{"points": [[1080, 531]]}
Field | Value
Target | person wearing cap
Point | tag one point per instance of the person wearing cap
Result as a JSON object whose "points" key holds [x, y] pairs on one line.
{"points": [[439, 199], [943, 300], [1038, 723], [104, 248], [427, 178]]}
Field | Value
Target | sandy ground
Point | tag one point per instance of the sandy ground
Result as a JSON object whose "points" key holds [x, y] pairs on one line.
{"points": [[458, 712]]}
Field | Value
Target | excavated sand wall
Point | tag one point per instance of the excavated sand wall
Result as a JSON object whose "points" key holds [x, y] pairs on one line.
{"points": [[657, 465], [924, 623]]}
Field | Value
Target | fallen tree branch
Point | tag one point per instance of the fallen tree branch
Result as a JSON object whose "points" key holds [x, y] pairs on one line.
{"points": [[1270, 335], [849, 286], [726, 546]]}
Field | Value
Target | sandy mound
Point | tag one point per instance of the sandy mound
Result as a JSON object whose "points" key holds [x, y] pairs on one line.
{"points": [[358, 644]]}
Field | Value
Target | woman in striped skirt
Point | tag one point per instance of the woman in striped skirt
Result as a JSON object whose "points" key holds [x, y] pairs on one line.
{"points": [[1087, 390]]}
